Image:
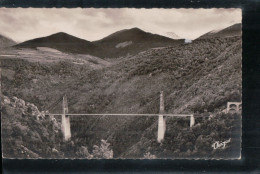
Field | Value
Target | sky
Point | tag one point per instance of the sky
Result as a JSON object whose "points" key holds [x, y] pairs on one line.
{"points": [[21, 24]]}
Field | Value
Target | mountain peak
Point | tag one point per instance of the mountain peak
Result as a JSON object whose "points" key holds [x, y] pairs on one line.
{"points": [[135, 29], [63, 42], [63, 36], [125, 32], [132, 41], [60, 33]]}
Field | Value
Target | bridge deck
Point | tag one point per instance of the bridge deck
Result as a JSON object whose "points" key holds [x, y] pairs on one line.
{"points": [[149, 115]]}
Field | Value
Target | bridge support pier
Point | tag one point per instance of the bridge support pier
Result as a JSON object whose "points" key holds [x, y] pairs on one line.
{"points": [[65, 120], [192, 120], [161, 120]]}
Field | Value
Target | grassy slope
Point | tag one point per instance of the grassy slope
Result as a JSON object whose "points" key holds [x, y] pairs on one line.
{"points": [[202, 75]]}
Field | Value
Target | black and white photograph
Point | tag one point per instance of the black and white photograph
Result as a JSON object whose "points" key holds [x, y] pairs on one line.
{"points": [[121, 83]]}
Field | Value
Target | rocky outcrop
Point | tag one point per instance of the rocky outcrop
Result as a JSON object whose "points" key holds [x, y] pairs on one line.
{"points": [[27, 132]]}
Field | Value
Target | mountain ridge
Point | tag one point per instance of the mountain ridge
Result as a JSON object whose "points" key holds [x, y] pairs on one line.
{"points": [[118, 44], [233, 30], [6, 41]]}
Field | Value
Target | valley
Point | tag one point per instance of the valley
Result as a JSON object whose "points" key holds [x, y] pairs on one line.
{"points": [[124, 75]]}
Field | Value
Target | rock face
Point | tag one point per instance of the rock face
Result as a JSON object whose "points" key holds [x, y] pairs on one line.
{"points": [[26, 108], [27, 133]]}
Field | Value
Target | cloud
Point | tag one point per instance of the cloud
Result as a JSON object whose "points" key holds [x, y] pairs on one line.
{"points": [[22, 24]]}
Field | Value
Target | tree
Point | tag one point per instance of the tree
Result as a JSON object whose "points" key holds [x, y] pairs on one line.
{"points": [[103, 151]]}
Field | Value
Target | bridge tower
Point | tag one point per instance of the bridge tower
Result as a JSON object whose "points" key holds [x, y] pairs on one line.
{"points": [[192, 120], [65, 120], [161, 120]]}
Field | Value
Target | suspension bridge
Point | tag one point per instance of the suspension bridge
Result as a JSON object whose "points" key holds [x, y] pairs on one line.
{"points": [[65, 116]]}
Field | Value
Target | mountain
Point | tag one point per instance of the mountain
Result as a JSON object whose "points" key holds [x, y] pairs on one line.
{"points": [[63, 42], [132, 41], [118, 44], [6, 42], [234, 30]]}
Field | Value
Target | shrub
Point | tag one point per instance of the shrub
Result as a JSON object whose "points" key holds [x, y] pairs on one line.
{"points": [[103, 151], [148, 155], [84, 153]]}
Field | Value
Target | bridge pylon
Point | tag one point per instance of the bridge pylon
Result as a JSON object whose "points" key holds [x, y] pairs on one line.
{"points": [[192, 120], [65, 120], [161, 120]]}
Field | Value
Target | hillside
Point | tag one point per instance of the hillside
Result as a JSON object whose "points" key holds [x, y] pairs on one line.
{"points": [[234, 30], [45, 55], [64, 43], [6, 42], [28, 133], [132, 41], [195, 77], [136, 90], [196, 142]]}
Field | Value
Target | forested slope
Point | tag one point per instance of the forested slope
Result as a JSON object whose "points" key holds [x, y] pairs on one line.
{"points": [[195, 77]]}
